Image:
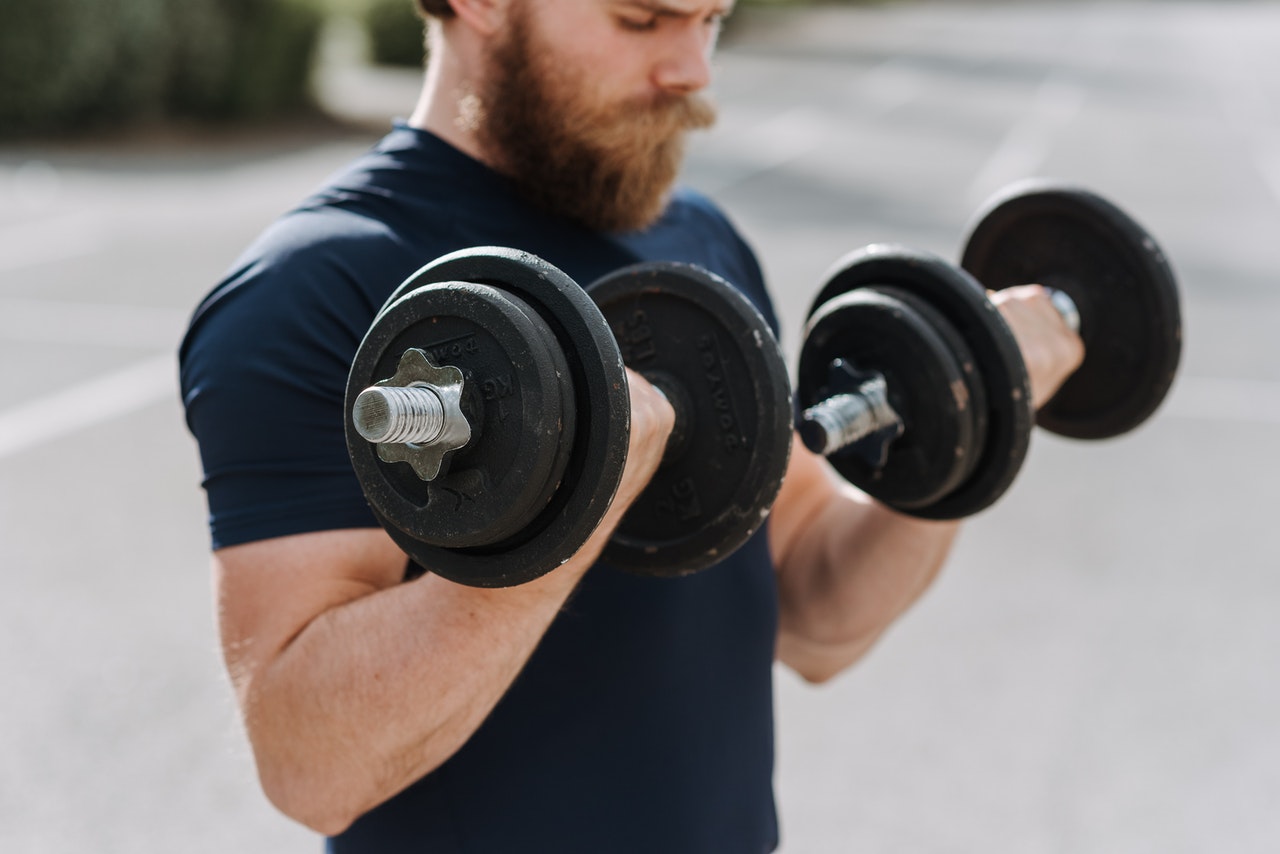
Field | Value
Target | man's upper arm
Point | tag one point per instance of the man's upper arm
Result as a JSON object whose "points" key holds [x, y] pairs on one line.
{"points": [[270, 590]]}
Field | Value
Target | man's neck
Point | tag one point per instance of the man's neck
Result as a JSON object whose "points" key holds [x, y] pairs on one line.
{"points": [[449, 102]]}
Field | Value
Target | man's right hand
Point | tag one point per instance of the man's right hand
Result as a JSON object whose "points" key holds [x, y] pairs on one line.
{"points": [[652, 420]]}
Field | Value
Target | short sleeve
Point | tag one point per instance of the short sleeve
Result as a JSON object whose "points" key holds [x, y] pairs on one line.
{"points": [[263, 370]]}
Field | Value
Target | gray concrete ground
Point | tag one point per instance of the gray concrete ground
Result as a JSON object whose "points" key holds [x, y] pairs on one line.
{"points": [[1095, 671]]}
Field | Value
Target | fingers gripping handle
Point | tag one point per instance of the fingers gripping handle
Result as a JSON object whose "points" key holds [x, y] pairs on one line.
{"points": [[1066, 307]]}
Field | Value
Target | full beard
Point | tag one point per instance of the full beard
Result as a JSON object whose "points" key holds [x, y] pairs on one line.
{"points": [[608, 167]]}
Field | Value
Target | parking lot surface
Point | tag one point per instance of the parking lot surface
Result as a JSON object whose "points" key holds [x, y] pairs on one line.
{"points": [[1094, 671]]}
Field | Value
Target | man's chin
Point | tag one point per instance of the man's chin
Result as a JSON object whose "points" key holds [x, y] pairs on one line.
{"points": [[634, 209], [603, 199]]}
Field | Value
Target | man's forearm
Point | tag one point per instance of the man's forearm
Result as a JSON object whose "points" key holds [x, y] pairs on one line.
{"points": [[374, 693]]}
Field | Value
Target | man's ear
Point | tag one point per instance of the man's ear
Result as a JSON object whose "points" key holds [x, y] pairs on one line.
{"points": [[486, 17]]}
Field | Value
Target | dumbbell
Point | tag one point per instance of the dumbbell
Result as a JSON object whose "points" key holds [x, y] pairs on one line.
{"points": [[912, 385], [487, 416]]}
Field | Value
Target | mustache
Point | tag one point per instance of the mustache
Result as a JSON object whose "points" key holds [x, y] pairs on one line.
{"points": [[688, 112], [656, 120], [682, 112]]}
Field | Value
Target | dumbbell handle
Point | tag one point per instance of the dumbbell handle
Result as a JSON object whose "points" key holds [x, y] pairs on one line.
{"points": [[843, 419], [427, 419], [418, 414]]}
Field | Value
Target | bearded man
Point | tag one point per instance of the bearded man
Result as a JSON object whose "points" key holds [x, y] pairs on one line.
{"points": [[588, 710]]}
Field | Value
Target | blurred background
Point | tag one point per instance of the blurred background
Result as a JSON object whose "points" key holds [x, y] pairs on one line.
{"points": [[1094, 672]]}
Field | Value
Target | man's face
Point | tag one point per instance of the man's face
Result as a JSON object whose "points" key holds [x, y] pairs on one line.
{"points": [[588, 103]]}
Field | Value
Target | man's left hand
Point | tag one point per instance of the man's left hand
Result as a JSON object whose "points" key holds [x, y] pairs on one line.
{"points": [[1051, 350]]}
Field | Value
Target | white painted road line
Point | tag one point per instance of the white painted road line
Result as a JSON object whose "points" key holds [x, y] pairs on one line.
{"points": [[50, 240], [1029, 142], [79, 407], [92, 324]]}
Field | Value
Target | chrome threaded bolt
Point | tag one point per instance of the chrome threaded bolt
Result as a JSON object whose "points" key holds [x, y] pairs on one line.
{"points": [[415, 416], [843, 419], [389, 415]]}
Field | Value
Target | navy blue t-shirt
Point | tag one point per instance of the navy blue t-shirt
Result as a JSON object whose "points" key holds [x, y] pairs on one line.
{"points": [[643, 722]]}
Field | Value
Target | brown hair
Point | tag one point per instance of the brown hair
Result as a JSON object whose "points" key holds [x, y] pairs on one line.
{"points": [[435, 9]]}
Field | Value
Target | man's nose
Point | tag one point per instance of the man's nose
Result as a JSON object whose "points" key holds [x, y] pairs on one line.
{"points": [[685, 68]]}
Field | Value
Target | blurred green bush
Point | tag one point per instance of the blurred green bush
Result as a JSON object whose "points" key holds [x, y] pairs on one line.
{"points": [[395, 32], [67, 65]]}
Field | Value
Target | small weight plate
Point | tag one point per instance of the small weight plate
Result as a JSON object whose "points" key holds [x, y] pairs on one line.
{"points": [[591, 429], [1071, 239], [892, 333], [997, 367], [708, 346]]}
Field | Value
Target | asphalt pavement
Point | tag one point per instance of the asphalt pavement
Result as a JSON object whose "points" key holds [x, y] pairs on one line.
{"points": [[1093, 672]]}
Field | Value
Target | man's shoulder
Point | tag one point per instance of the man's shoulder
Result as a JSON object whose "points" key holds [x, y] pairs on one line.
{"points": [[358, 235], [308, 250]]}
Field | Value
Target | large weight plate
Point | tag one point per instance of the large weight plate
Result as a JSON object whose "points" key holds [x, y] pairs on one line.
{"points": [[928, 373], [517, 397], [1068, 238], [997, 362], [703, 342], [593, 446]]}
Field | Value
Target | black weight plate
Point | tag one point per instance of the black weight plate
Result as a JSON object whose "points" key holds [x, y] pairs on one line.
{"points": [[702, 339], [997, 362], [892, 333], [517, 398], [600, 414], [1069, 238], [975, 385]]}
